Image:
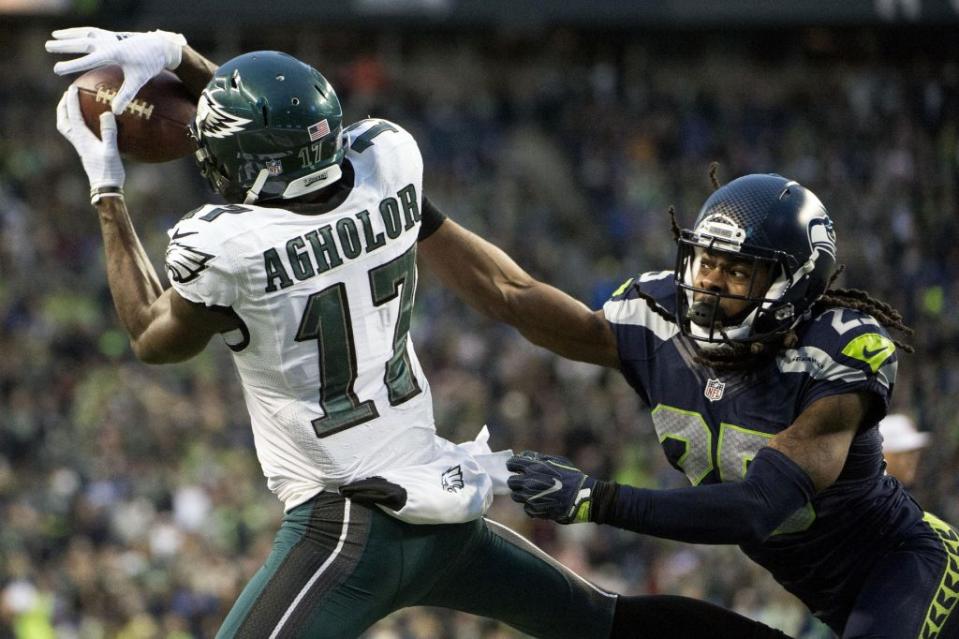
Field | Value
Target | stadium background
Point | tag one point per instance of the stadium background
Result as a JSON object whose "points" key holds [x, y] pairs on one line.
{"points": [[130, 500]]}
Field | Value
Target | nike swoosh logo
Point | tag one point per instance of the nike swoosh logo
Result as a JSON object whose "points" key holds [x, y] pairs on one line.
{"points": [[868, 354], [177, 235], [557, 485]]}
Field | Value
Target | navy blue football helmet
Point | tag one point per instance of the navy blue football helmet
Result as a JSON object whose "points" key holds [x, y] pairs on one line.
{"points": [[774, 223]]}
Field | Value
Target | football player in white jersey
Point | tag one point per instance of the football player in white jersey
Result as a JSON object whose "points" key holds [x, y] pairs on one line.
{"points": [[309, 275]]}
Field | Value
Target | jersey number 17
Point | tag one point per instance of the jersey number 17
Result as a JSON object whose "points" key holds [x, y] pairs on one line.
{"points": [[327, 320]]}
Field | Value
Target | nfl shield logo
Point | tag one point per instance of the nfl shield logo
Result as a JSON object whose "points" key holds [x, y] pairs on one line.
{"points": [[274, 167], [714, 389]]}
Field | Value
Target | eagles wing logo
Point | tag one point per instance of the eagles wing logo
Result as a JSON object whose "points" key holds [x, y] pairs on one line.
{"points": [[213, 121], [185, 263], [452, 479]]}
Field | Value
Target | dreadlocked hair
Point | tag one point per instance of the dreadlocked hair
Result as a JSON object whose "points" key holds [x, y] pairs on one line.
{"points": [[713, 169], [742, 357], [672, 220], [654, 306], [860, 300]]}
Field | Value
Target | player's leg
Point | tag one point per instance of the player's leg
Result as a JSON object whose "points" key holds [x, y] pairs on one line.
{"points": [[333, 571], [499, 574], [913, 590], [494, 572], [682, 617]]}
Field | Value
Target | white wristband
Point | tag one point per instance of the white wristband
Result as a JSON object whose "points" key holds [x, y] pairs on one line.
{"points": [[105, 191]]}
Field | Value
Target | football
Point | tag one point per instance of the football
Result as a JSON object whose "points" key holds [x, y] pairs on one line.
{"points": [[153, 127]]}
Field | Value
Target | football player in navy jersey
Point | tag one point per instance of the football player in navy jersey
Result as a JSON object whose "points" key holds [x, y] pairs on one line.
{"points": [[313, 293], [765, 385]]}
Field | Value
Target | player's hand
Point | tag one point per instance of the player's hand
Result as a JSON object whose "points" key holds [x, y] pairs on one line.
{"points": [[140, 55], [100, 157], [550, 487]]}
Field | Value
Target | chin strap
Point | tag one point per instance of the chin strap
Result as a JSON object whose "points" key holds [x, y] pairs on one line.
{"points": [[705, 337], [298, 187], [312, 182], [254, 193]]}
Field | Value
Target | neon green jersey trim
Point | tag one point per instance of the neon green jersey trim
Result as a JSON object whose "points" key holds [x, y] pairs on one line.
{"points": [[622, 287], [944, 601]]}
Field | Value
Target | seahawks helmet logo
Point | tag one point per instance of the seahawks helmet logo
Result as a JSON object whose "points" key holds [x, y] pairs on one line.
{"points": [[212, 121], [822, 236]]}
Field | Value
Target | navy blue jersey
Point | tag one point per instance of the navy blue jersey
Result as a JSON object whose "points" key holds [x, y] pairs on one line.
{"points": [[711, 424]]}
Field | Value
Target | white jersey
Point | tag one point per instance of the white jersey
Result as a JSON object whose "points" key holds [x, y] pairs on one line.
{"points": [[332, 383]]}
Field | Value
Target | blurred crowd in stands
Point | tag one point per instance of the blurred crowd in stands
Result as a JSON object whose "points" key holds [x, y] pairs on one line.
{"points": [[131, 501]]}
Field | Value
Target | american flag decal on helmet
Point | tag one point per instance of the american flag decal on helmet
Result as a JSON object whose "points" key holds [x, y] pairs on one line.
{"points": [[319, 130]]}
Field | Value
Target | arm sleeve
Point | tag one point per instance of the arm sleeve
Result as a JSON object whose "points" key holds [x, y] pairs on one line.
{"points": [[743, 512]]}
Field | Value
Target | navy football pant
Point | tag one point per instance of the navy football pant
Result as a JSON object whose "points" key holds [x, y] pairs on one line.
{"points": [[337, 567], [912, 592]]}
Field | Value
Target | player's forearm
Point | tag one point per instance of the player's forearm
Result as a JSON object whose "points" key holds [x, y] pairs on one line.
{"points": [[133, 281], [744, 512], [502, 290], [550, 318], [195, 71], [488, 279], [543, 314]]}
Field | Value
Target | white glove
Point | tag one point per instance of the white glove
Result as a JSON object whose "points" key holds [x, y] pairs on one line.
{"points": [[100, 157], [140, 55]]}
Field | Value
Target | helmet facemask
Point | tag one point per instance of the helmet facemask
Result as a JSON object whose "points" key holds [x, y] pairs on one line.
{"points": [[704, 319], [216, 174], [784, 232]]}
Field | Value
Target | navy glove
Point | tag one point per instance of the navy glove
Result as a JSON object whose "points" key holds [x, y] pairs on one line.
{"points": [[550, 487]]}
